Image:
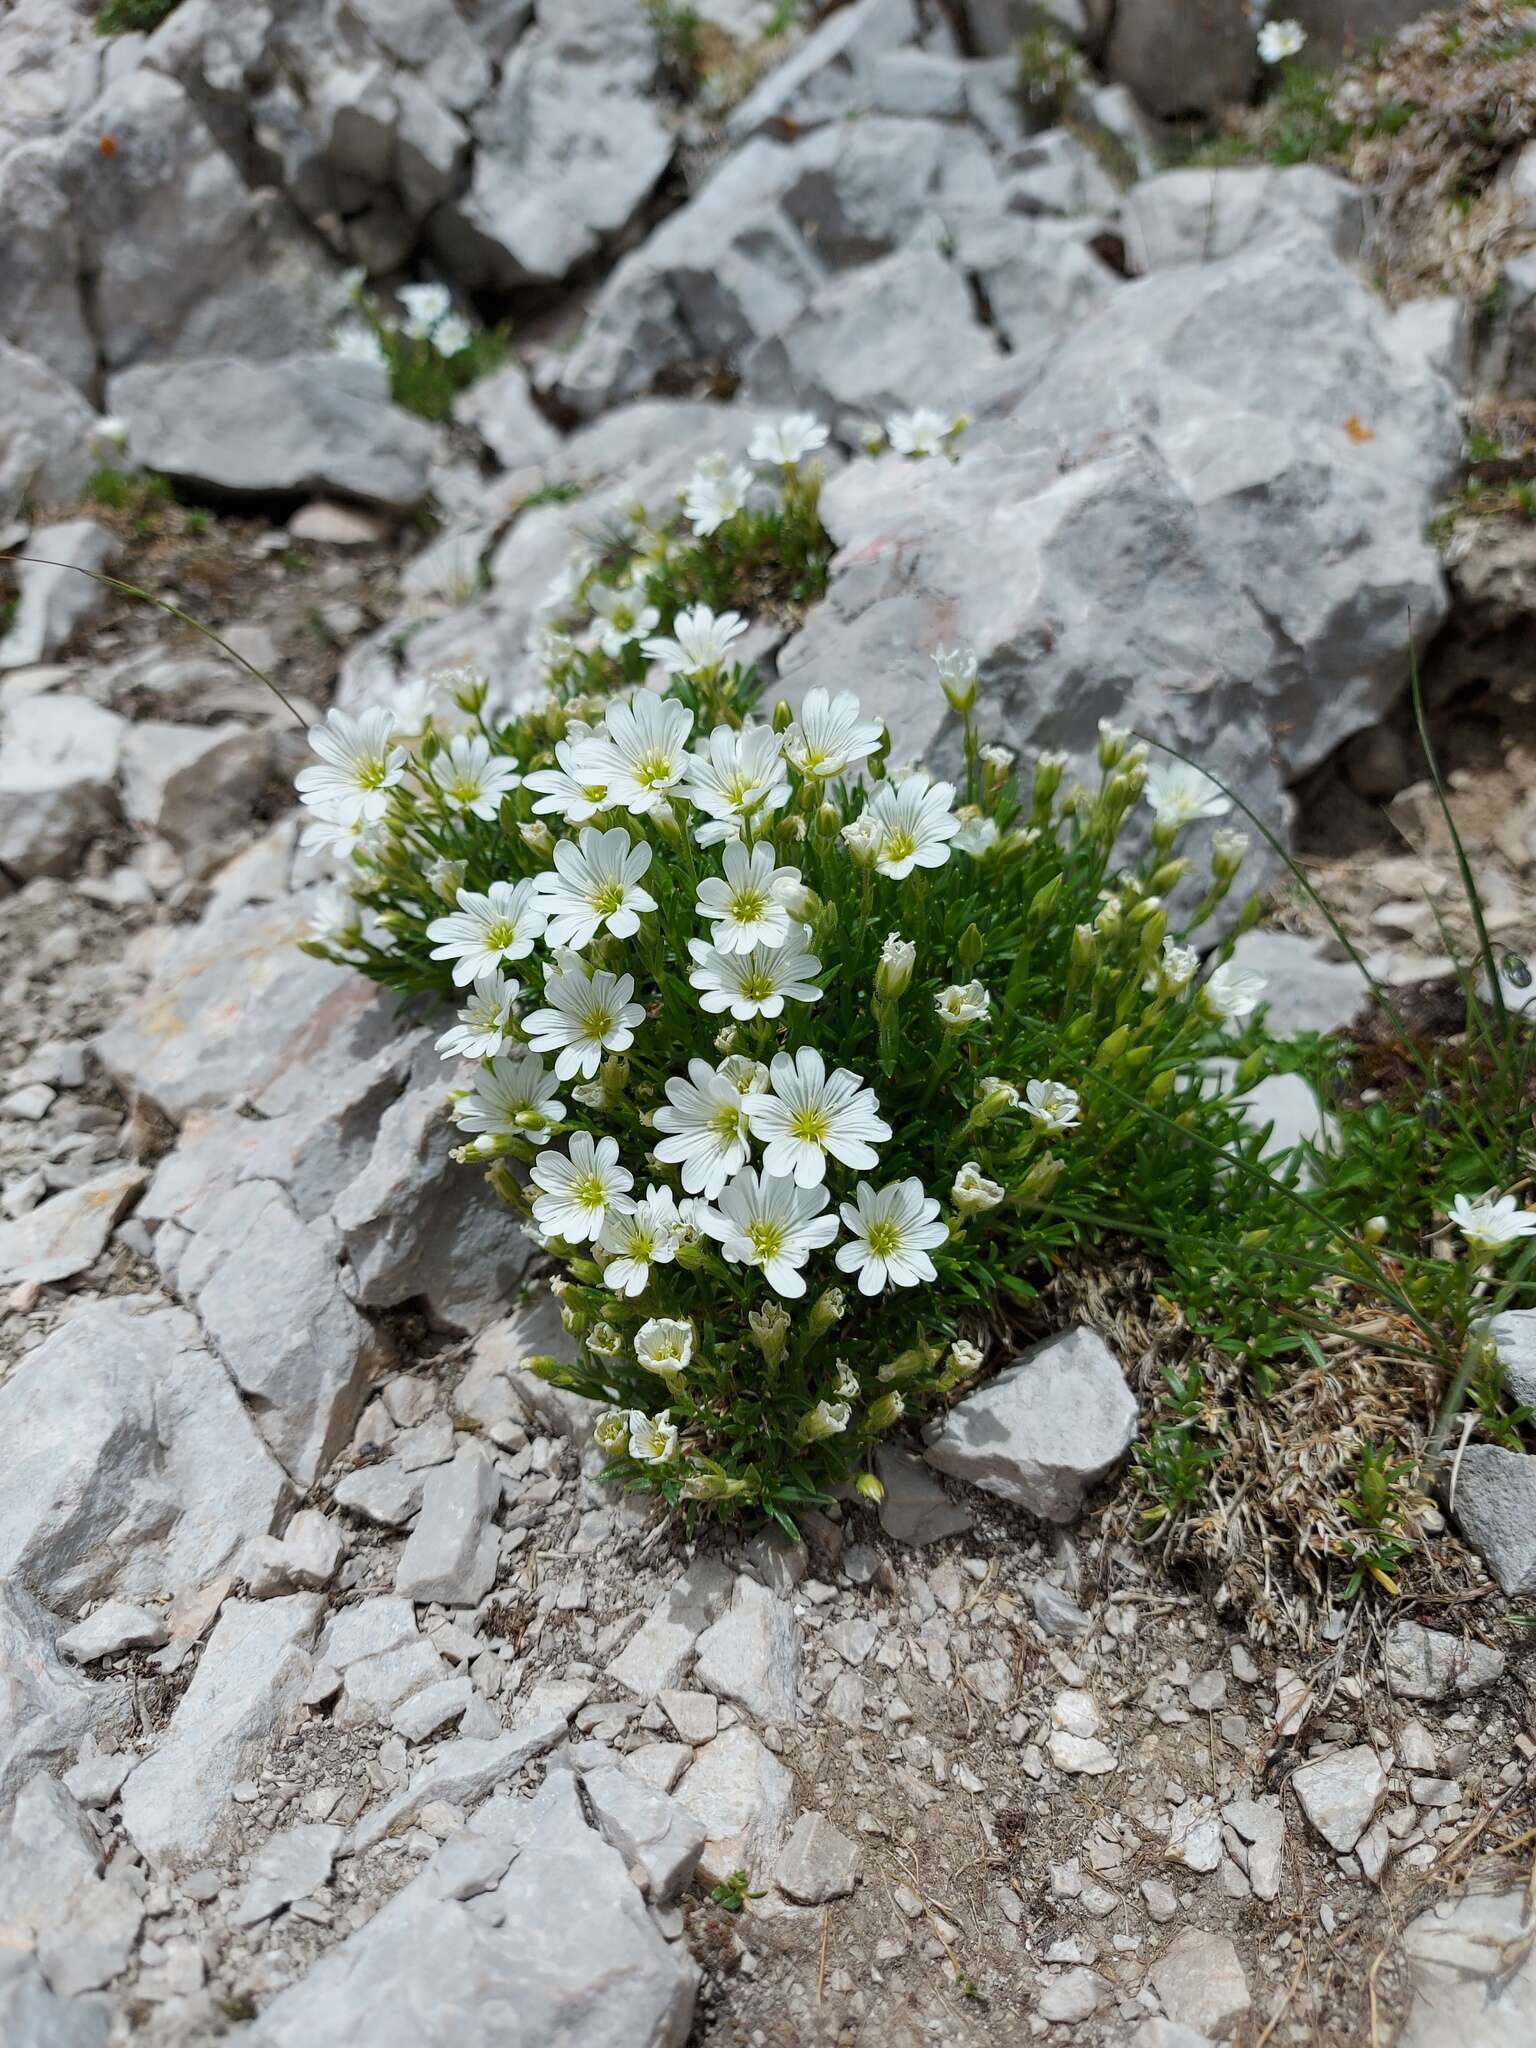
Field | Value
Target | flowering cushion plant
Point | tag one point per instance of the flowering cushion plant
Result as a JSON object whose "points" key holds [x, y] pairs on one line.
{"points": [[800, 1063]]}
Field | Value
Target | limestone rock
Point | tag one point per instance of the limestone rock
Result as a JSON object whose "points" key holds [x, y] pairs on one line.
{"points": [[1305, 990], [295, 427], [463, 1772], [47, 435], [1046, 1430], [452, 1552], [818, 1862], [831, 72], [68, 1232], [288, 1866], [195, 784], [1496, 1509], [246, 1687], [380, 1658], [483, 1949], [1201, 1983], [502, 411], [115, 1625], [46, 1707], [1473, 1977], [658, 1657], [1427, 1664], [53, 597], [1202, 216], [58, 763], [1340, 1794], [915, 1509], [1514, 1337], [752, 1654], [740, 1794], [131, 1466], [647, 1828], [1183, 56]]}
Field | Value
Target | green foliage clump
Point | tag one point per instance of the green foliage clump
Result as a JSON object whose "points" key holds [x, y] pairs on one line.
{"points": [[124, 17], [432, 352]]}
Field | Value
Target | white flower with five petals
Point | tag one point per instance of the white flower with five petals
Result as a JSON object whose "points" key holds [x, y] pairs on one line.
{"points": [[892, 1230], [639, 753], [358, 767], [595, 886], [809, 1116], [755, 984], [485, 1022], [705, 1127], [747, 905], [698, 643], [770, 1223], [586, 1015], [579, 1188], [831, 736], [503, 924]]}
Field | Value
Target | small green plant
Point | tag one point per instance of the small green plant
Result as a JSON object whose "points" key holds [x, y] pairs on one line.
{"points": [[1382, 1506], [1173, 1466], [1050, 71], [679, 45], [432, 352], [120, 490], [124, 17], [731, 1894]]}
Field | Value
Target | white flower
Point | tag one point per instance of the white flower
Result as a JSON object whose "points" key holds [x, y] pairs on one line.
{"points": [[472, 778], [922, 432], [733, 774], [575, 791], [755, 984], [565, 586], [786, 441], [484, 1024], [511, 1099], [356, 342], [625, 616], [972, 1192], [772, 1224], [977, 834], [503, 924], [652, 1438], [746, 907], [1000, 758], [425, 305], [847, 1379], [893, 975], [1489, 1225], [714, 494], [588, 1015], [664, 1344], [1052, 1105], [1175, 971], [357, 769], [1281, 39], [595, 886], [640, 753], [610, 1432], [893, 1232], [340, 841], [1233, 991], [962, 1003], [827, 1418], [638, 1238], [415, 704], [957, 676], [577, 1190], [111, 428], [830, 736], [452, 335], [335, 918], [863, 838], [810, 1114], [965, 1357], [706, 1128], [916, 824], [1180, 794], [698, 643]]}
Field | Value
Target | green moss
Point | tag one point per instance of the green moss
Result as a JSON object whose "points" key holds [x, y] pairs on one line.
{"points": [[124, 17]]}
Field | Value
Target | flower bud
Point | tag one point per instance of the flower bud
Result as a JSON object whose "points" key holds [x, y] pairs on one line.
{"points": [[994, 1097], [1082, 950], [827, 1418], [604, 1341], [1049, 769], [971, 947], [1112, 1047], [908, 1364], [1169, 875], [537, 836], [1113, 741], [826, 1309], [972, 1193], [783, 716], [885, 1413], [610, 1432], [1228, 852], [868, 1485], [1041, 1178], [863, 837], [826, 824], [1045, 900], [1374, 1230], [770, 1330], [957, 677], [893, 976]]}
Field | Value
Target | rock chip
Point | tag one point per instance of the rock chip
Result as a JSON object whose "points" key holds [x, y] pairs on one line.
{"points": [[47, 1707], [1201, 1983], [1514, 1337], [1339, 1794], [647, 1828], [658, 1657], [295, 427], [462, 1772], [1495, 1505], [817, 1863], [246, 1687], [195, 785], [1473, 1976], [915, 1509], [48, 444], [53, 595], [1046, 1430], [1427, 1664], [58, 766], [288, 1866], [115, 1625], [68, 1232], [452, 1552], [740, 1794], [752, 1653]]}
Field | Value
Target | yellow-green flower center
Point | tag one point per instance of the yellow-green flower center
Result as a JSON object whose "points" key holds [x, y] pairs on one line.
{"points": [[653, 769], [608, 898], [757, 987], [898, 845], [588, 1192], [748, 905], [766, 1240], [810, 1125], [883, 1239], [500, 935]]}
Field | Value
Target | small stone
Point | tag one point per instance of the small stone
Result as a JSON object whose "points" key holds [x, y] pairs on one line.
{"points": [[337, 526], [289, 1866], [818, 1862], [1080, 1755], [1074, 1995], [648, 1829], [434, 1708], [915, 1508], [1426, 1664], [695, 1715], [659, 1764], [1496, 1508], [740, 1795], [1259, 1828], [1340, 1794], [452, 1552], [1162, 1901], [1434, 1792], [1208, 1691], [96, 1782], [115, 1625], [752, 1653], [1195, 1839], [67, 1233], [1057, 1613], [1200, 1982], [384, 1493]]}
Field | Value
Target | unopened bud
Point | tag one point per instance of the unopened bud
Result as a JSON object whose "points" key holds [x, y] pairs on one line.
{"points": [[537, 836], [893, 976]]}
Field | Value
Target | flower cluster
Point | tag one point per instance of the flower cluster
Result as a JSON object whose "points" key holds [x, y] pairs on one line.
{"points": [[789, 1055], [429, 348]]}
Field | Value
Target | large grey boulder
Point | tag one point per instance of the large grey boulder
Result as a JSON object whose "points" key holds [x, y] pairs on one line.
{"points": [[59, 758], [297, 426], [1137, 486], [524, 1931], [55, 590], [1201, 216], [131, 1465], [568, 149], [47, 445], [1045, 1431], [246, 1689], [195, 785]]}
